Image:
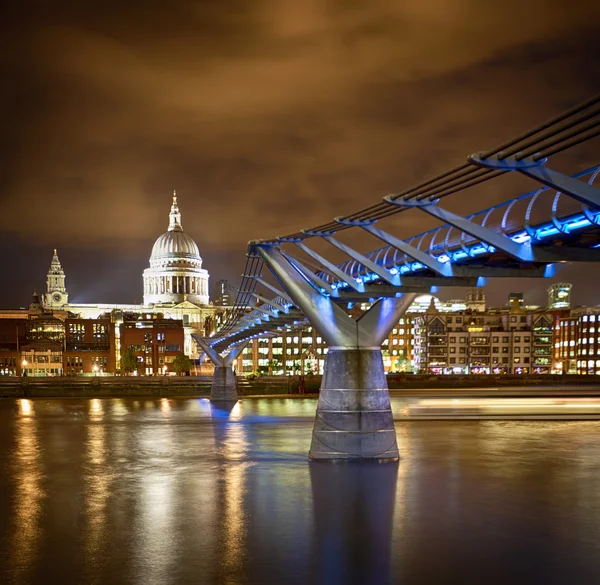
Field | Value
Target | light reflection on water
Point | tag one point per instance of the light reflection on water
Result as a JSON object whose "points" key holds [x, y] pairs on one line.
{"points": [[183, 491]]}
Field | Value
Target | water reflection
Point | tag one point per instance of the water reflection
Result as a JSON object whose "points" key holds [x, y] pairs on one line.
{"points": [[353, 511], [30, 494], [97, 484], [231, 446], [180, 491]]}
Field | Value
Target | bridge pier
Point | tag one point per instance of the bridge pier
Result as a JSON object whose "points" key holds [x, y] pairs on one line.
{"points": [[224, 386], [354, 418]]}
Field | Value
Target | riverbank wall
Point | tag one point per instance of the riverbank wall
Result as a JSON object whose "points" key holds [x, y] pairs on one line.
{"points": [[263, 385]]}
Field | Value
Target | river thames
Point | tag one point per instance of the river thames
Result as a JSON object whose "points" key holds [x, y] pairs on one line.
{"points": [[176, 491]]}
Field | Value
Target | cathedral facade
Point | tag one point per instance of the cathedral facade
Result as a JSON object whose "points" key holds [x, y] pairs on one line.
{"points": [[175, 285]]}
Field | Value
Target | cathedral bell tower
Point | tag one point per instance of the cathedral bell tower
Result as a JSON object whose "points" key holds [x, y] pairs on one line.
{"points": [[56, 293]]}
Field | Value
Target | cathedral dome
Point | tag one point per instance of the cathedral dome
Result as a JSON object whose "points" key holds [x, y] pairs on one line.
{"points": [[175, 247], [175, 273], [175, 244]]}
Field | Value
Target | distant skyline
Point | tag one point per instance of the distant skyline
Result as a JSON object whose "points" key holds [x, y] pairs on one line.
{"points": [[266, 117]]}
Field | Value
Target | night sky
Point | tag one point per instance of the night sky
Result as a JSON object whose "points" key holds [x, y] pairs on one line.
{"points": [[265, 116]]}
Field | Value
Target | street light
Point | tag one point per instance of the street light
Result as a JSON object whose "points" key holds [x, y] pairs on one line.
{"points": [[23, 364], [95, 368]]}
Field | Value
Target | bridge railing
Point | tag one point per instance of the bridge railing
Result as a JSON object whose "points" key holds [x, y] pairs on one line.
{"points": [[536, 215]]}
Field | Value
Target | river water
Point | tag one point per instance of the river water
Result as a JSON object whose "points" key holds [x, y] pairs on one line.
{"points": [[176, 491]]}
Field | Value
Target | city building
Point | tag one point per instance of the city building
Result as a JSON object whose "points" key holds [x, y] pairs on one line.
{"points": [[303, 352], [431, 338], [175, 286], [225, 294], [56, 296], [13, 336], [156, 341], [89, 346], [475, 300], [515, 297], [577, 342], [499, 342], [559, 295]]}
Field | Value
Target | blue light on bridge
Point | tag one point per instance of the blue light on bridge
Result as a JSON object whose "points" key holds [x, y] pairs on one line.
{"points": [[541, 232]]}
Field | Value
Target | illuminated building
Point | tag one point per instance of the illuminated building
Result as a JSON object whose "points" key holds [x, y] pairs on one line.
{"points": [[225, 294], [175, 274], [577, 342], [475, 299], [175, 285], [89, 347], [56, 293], [154, 340], [493, 342], [559, 295], [13, 335], [304, 351], [515, 297]]}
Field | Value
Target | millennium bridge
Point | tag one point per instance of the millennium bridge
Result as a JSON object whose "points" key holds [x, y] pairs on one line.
{"points": [[288, 284]]}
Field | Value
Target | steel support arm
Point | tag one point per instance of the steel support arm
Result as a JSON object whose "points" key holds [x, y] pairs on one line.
{"points": [[264, 300], [485, 235], [274, 289], [265, 311], [212, 354], [418, 255], [334, 325], [587, 194], [337, 328], [234, 353], [382, 316], [382, 272], [332, 268], [311, 276]]}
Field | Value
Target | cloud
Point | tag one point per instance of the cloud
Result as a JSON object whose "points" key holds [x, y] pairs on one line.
{"points": [[267, 117]]}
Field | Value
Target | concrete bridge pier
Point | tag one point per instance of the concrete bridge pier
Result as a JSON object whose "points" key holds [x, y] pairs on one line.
{"points": [[354, 418], [224, 386]]}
